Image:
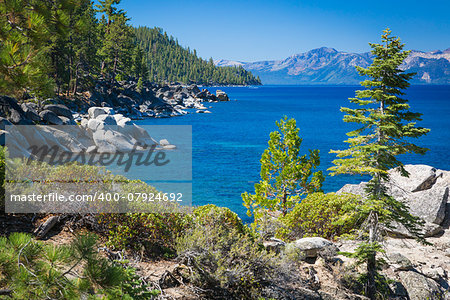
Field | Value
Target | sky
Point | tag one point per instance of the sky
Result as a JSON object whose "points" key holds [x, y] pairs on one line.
{"points": [[249, 30]]}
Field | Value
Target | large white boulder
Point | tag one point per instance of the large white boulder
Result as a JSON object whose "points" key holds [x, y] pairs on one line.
{"points": [[107, 119], [94, 125], [110, 141], [96, 111]]}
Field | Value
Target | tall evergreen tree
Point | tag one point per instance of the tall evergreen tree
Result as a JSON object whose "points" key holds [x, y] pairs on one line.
{"points": [[73, 52], [387, 127], [117, 47]]}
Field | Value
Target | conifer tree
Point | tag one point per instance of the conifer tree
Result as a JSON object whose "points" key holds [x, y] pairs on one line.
{"points": [[25, 28], [117, 37], [386, 129], [285, 174]]}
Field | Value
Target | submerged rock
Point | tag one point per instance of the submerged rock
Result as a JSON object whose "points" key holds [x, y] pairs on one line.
{"points": [[222, 96]]}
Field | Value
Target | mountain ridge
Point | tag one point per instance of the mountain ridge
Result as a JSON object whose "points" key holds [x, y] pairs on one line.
{"points": [[327, 65]]}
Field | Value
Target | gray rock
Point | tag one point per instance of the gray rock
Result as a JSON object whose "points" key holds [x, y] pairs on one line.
{"points": [[15, 143], [30, 111], [106, 119], [67, 121], [399, 262], [66, 137], [164, 142], [425, 191], [110, 141], [91, 149], [274, 245], [94, 125], [4, 122], [419, 287], [12, 111], [84, 123], [421, 177], [194, 89], [222, 96], [169, 147], [124, 122], [310, 246], [136, 134], [95, 111], [50, 117], [59, 110]]}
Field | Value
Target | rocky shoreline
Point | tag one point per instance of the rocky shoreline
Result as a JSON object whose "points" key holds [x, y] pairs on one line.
{"points": [[98, 115], [151, 100]]}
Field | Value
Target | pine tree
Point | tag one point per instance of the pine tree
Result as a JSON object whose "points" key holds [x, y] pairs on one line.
{"points": [[117, 47], [25, 28], [387, 127], [73, 50], [285, 174]]}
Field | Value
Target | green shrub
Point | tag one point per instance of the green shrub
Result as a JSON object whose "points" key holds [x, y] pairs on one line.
{"points": [[225, 262], [325, 215], [152, 233], [211, 215], [226, 259]]}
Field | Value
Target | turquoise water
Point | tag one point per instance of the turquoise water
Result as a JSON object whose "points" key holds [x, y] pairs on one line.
{"points": [[228, 143]]}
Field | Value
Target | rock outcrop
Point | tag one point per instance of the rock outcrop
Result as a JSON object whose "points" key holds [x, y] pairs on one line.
{"points": [[425, 191], [419, 287], [150, 100], [103, 131], [222, 96]]}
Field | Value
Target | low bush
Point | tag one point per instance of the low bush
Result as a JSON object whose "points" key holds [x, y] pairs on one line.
{"points": [[211, 215], [225, 262], [224, 255], [150, 233], [325, 215]]}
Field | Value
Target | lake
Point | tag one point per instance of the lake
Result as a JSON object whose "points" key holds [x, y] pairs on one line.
{"points": [[228, 143]]}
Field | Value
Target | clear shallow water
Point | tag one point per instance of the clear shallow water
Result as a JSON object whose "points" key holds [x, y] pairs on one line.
{"points": [[228, 143]]}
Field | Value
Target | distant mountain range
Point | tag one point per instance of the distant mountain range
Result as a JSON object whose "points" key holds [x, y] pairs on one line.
{"points": [[329, 66]]}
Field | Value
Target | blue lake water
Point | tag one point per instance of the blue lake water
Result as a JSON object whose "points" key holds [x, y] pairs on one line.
{"points": [[228, 143]]}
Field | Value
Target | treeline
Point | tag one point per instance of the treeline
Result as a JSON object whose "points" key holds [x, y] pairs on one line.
{"points": [[167, 60], [64, 46]]}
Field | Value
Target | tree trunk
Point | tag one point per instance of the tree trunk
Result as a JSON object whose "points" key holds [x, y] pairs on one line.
{"points": [[75, 81], [371, 288], [115, 67]]}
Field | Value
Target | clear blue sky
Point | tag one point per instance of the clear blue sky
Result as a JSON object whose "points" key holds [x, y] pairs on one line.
{"points": [[250, 30]]}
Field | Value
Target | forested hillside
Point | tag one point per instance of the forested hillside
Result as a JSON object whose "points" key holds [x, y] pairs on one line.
{"points": [[167, 60], [63, 47]]}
